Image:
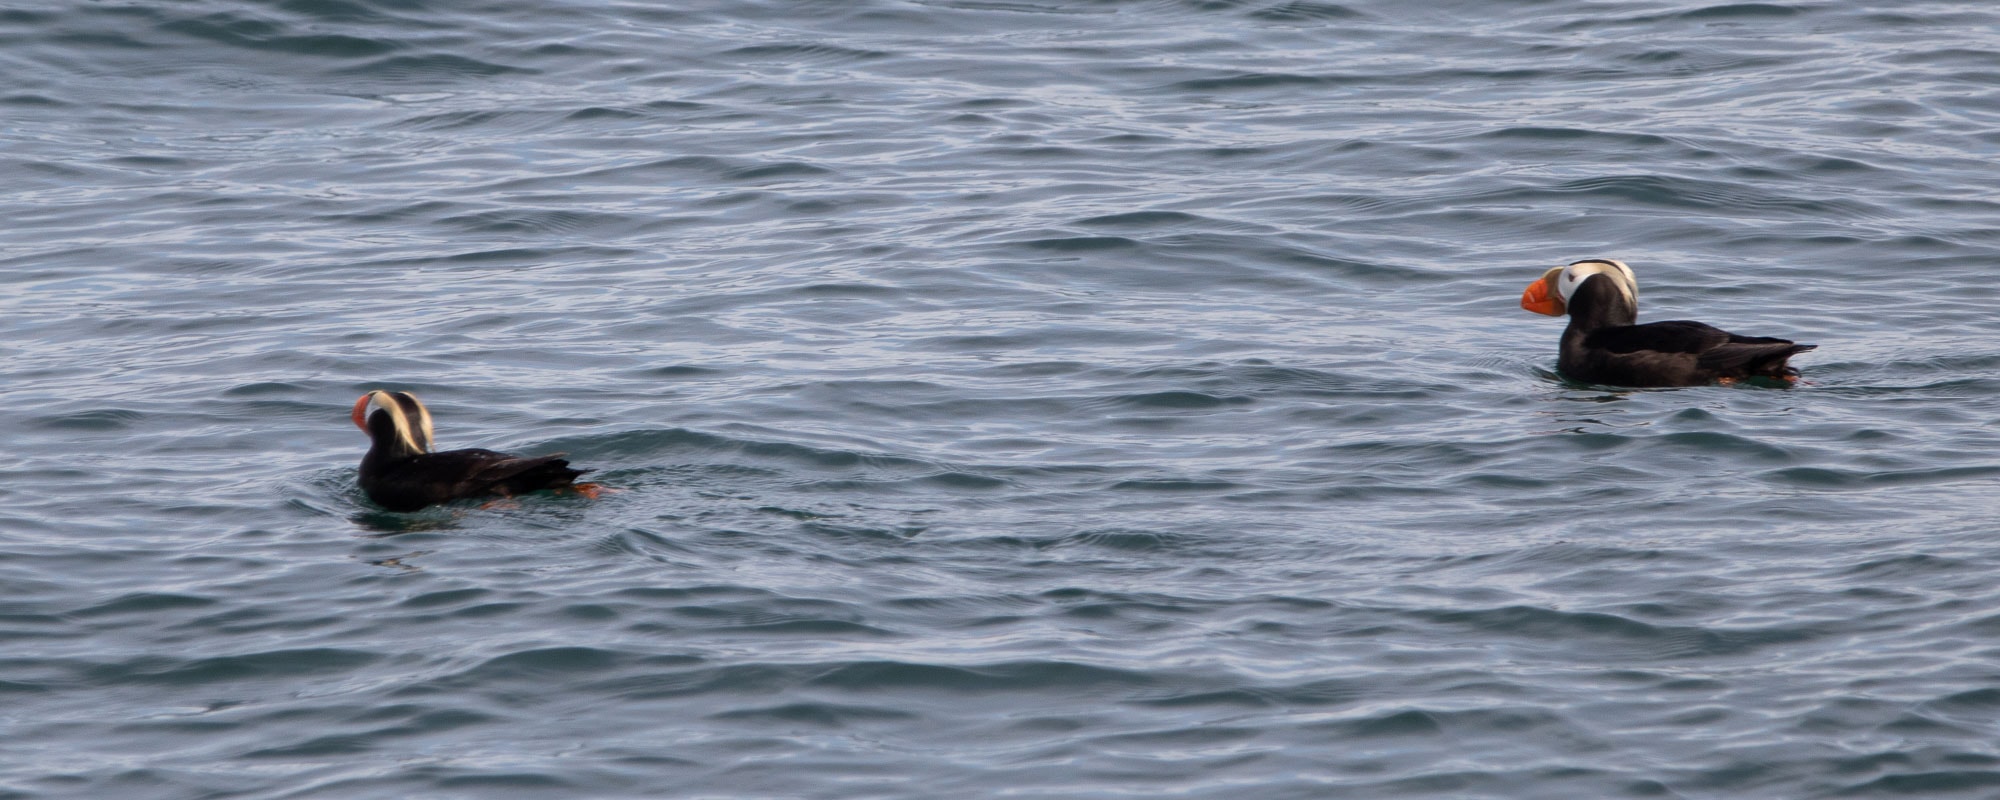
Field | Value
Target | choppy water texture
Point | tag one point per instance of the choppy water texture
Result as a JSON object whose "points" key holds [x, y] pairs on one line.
{"points": [[1049, 399]]}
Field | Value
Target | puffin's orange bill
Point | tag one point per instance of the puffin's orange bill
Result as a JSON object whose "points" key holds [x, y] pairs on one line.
{"points": [[359, 406], [1540, 300]]}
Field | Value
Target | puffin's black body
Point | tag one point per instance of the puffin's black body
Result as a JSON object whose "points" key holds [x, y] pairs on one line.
{"points": [[1604, 344], [401, 474]]}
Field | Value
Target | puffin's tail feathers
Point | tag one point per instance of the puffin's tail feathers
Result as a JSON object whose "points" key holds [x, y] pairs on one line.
{"points": [[1749, 359]]}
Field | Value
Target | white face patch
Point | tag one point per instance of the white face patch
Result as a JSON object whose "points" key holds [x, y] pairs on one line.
{"points": [[1620, 275], [406, 434]]}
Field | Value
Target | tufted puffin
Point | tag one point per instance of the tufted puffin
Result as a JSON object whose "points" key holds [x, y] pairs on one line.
{"points": [[401, 473], [1605, 344]]}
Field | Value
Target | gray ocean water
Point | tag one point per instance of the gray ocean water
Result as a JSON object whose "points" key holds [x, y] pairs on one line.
{"points": [[1113, 398]]}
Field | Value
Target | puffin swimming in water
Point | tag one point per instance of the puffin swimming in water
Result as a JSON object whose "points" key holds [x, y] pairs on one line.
{"points": [[401, 473], [1605, 344]]}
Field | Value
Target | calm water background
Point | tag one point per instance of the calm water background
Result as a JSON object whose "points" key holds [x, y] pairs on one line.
{"points": [[1042, 399]]}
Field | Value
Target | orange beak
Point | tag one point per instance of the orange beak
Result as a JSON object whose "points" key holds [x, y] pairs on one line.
{"points": [[360, 406], [1539, 298]]}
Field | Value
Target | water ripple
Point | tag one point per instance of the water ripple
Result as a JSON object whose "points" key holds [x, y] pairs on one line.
{"points": [[1058, 398]]}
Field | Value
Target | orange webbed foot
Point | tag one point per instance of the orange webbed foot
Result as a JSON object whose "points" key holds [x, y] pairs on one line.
{"points": [[592, 491]]}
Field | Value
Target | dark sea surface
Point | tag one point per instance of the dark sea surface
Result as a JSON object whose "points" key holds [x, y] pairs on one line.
{"points": [[1100, 399]]}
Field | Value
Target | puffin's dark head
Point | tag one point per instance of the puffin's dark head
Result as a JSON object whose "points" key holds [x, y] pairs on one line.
{"points": [[395, 420], [1552, 292]]}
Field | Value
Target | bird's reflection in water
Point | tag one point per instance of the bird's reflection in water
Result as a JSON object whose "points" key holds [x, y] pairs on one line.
{"points": [[401, 562], [376, 524]]}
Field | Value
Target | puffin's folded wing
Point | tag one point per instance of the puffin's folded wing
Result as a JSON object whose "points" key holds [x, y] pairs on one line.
{"points": [[1671, 336]]}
